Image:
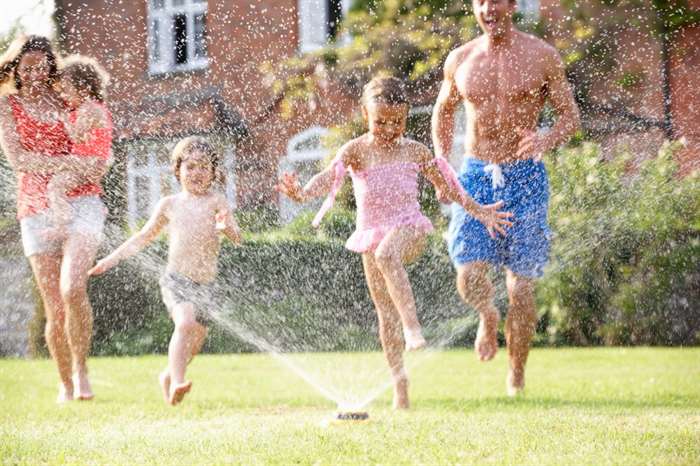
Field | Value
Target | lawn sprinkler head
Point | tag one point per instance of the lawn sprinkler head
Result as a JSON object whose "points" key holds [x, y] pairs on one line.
{"points": [[352, 416]]}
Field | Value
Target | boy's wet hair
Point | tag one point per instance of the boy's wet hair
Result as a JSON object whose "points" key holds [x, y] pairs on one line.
{"points": [[192, 144], [385, 89], [85, 74], [18, 49]]}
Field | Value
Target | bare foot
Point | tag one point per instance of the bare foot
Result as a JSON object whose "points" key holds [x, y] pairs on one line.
{"points": [[164, 381], [82, 390], [65, 393], [515, 383], [414, 339], [401, 394], [178, 392], [486, 343]]}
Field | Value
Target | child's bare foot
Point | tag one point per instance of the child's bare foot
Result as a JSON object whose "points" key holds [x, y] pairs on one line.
{"points": [[515, 383], [414, 339], [178, 392], [401, 394], [486, 343], [65, 393], [164, 381], [82, 390]]}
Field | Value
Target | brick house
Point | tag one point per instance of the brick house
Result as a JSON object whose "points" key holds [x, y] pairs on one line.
{"points": [[183, 67]]}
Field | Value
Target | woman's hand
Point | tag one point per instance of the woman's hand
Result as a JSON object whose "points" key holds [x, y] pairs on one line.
{"points": [[289, 186], [493, 219]]}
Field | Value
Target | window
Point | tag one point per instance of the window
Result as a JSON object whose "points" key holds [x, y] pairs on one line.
{"points": [[149, 177], [319, 21], [304, 151], [530, 9], [177, 35]]}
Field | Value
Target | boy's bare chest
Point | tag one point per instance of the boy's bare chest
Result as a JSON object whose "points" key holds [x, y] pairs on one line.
{"points": [[193, 216]]}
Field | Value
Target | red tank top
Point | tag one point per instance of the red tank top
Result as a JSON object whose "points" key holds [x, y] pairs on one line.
{"points": [[49, 138]]}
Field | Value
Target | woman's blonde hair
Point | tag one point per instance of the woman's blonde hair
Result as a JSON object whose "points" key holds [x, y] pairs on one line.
{"points": [[85, 74], [188, 146]]}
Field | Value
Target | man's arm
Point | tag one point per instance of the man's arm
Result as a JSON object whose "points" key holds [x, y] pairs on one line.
{"points": [[445, 107], [562, 101]]}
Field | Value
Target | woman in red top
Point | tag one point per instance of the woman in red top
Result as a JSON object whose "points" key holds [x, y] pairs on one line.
{"points": [[36, 144]]}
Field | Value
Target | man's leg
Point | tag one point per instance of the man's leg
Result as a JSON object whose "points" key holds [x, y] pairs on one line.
{"points": [[476, 290], [520, 326]]}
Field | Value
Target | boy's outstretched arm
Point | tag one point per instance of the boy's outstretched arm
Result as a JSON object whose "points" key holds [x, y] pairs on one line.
{"points": [[137, 242]]}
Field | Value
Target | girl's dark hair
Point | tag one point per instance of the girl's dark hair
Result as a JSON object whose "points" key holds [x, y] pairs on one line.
{"points": [[9, 62], [197, 144], [388, 90], [84, 73]]}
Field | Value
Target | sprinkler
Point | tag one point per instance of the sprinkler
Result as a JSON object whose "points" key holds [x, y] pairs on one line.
{"points": [[352, 416]]}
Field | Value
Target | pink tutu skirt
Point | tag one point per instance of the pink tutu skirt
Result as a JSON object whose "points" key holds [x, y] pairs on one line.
{"points": [[367, 239]]}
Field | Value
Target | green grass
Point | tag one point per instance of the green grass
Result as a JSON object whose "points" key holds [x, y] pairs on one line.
{"points": [[583, 406]]}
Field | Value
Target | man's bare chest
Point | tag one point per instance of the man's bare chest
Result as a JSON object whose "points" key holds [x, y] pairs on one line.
{"points": [[481, 79]]}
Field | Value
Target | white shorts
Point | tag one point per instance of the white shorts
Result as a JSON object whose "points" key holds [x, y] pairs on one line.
{"points": [[87, 220]]}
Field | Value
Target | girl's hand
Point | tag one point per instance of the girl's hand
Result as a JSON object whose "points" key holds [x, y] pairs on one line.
{"points": [[102, 266], [290, 187], [493, 219]]}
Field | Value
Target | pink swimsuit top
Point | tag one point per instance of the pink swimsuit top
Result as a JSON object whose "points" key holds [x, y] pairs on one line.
{"points": [[386, 196]]}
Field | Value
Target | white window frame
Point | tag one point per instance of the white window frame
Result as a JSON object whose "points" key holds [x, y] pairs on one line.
{"points": [[290, 162], [166, 46], [154, 170], [312, 19]]}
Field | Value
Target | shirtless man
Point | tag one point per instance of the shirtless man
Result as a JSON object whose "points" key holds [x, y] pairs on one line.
{"points": [[504, 77]]}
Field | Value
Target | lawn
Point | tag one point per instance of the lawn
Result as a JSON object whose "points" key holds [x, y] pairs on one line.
{"points": [[582, 406]]}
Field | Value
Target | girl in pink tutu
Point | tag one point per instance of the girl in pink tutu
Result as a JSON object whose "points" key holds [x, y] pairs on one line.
{"points": [[391, 229]]}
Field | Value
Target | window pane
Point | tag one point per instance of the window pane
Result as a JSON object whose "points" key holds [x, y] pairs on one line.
{"points": [[335, 16], [180, 38], [178, 2], [155, 41], [157, 4], [143, 185], [200, 35]]}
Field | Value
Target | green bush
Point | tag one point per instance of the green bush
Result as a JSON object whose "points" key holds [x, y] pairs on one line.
{"points": [[296, 293], [626, 251], [624, 270]]}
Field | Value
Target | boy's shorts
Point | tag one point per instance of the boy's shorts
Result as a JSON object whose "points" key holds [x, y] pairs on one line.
{"points": [[523, 187], [178, 289], [87, 219]]}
